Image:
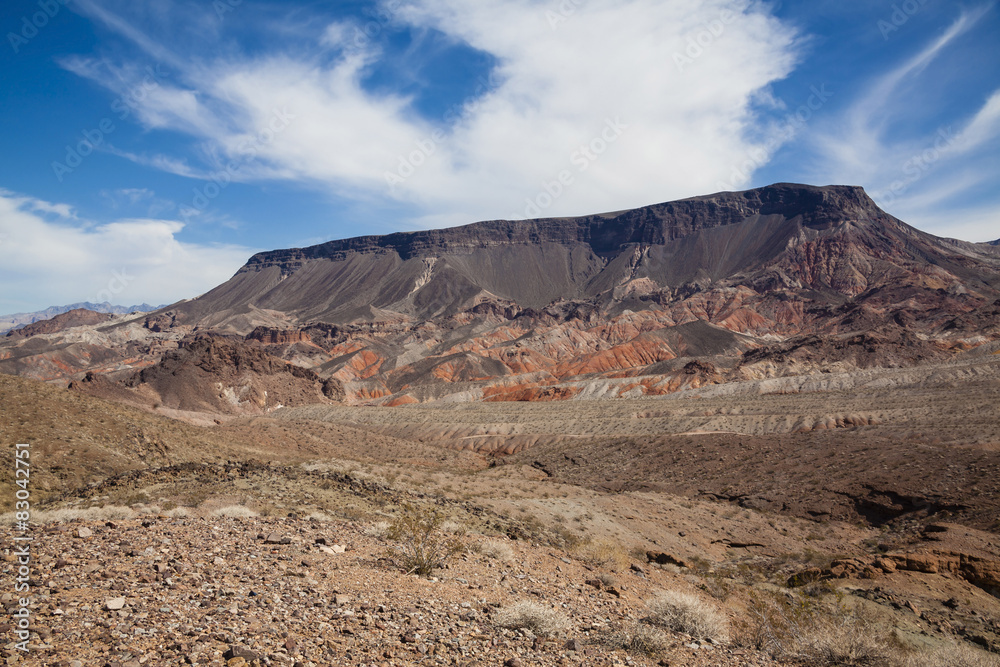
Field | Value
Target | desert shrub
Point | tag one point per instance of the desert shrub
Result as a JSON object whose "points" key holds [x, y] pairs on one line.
{"points": [[497, 550], [105, 513], [955, 654], [454, 528], [378, 529], [147, 509], [423, 544], [234, 512], [608, 580], [602, 553], [688, 613], [843, 640], [795, 628], [636, 638], [567, 538], [533, 616], [638, 553]]}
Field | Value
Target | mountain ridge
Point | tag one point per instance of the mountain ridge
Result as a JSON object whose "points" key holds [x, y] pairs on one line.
{"points": [[776, 281], [17, 320], [722, 208]]}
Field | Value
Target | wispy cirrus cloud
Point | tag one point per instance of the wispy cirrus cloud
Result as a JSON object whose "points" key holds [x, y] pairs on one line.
{"points": [[916, 168]]}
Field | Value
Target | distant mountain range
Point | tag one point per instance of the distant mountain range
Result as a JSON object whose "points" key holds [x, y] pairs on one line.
{"points": [[18, 320]]}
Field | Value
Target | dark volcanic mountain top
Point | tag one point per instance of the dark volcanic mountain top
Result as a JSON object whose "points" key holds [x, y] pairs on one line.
{"points": [[830, 240], [818, 207]]}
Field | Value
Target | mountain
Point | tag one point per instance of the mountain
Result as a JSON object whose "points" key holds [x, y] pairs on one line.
{"points": [[71, 318], [771, 282], [18, 320]]}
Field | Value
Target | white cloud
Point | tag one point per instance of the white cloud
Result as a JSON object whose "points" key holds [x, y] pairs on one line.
{"points": [[923, 176], [44, 262], [983, 128], [682, 110]]}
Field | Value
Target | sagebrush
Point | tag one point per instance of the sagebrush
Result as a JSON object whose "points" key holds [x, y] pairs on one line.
{"points": [[533, 616], [688, 613], [423, 545]]}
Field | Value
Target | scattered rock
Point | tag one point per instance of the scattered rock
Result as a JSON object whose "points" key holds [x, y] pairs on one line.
{"points": [[243, 652]]}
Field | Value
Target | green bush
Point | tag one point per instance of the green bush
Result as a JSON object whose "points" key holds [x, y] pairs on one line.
{"points": [[423, 544]]}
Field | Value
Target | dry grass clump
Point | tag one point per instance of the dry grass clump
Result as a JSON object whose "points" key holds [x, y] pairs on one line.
{"points": [[234, 512], [178, 513], [454, 528], [497, 550], [637, 638], [538, 618], [142, 508], [377, 529], [688, 613], [105, 513], [603, 553], [956, 654], [800, 629], [319, 517]]}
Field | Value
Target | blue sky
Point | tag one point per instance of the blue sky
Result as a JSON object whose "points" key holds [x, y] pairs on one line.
{"points": [[149, 147]]}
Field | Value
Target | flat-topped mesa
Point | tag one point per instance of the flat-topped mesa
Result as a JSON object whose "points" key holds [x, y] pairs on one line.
{"points": [[816, 207]]}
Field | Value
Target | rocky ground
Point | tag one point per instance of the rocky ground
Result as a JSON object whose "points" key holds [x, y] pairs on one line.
{"points": [[164, 591], [159, 590], [163, 542]]}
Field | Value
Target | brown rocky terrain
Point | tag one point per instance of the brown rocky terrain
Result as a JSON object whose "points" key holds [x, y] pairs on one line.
{"points": [[221, 375], [872, 507], [784, 402]]}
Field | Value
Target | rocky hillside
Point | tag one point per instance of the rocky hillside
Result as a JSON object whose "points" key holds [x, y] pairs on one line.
{"points": [[218, 375], [72, 318], [16, 320], [777, 281]]}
